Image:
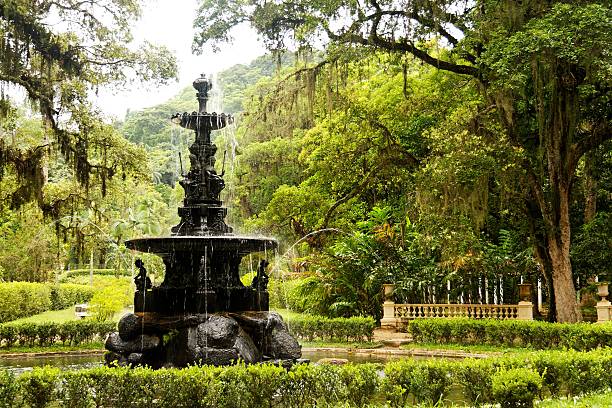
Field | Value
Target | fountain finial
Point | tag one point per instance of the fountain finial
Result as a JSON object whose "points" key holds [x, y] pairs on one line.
{"points": [[202, 85]]}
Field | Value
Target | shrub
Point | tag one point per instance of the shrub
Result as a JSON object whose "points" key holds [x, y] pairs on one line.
{"points": [[68, 294], [39, 387], [517, 379], [105, 303], [516, 388], [44, 334], [310, 328], [96, 272], [510, 333], [23, 299], [8, 389]]}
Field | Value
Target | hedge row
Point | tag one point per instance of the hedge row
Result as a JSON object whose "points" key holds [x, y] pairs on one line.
{"points": [[96, 272], [45, 334], [322, 328], [307, 327], [23, 299], [540, 335], [404, 382]]}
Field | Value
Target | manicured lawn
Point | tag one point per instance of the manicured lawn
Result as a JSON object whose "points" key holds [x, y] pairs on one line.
{"points": [[349, 345], [603, 400], [288, 314], [480, 348], [99, 345], [59, 316]]}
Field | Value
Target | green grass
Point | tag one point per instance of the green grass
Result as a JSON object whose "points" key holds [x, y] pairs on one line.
{"points": [[602, 400], [60, 316], [346, 345], [98, 345], [479, 348], [288, 314]]}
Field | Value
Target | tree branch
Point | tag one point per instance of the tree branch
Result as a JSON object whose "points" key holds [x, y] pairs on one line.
{"points": [[599, 134]]}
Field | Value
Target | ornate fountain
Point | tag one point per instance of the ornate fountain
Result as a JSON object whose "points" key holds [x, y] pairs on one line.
{"points": [[201, 313]]}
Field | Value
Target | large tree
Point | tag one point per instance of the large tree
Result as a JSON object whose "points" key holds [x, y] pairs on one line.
{"points": [[545, 66], [59, 52]]}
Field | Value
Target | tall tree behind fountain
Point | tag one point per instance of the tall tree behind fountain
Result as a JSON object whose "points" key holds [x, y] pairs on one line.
{"points": [[201, 313]]}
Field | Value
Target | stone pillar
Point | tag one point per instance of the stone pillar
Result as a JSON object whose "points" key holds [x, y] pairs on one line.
{"points": [[388, 321], [604, 307], [525, 311]]}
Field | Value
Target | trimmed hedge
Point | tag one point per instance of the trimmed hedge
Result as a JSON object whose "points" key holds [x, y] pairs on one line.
{"points": [[69, 294], [240, 386], [539, 335], [23, 299], [306, 327], [311, 328], [45, 334], [97, 272]]}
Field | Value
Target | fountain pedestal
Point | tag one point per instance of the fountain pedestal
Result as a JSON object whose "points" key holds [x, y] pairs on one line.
{"points": [[201, 313]]}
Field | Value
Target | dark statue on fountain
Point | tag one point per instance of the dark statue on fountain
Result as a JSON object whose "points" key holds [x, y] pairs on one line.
{"points": [[202, 308]]}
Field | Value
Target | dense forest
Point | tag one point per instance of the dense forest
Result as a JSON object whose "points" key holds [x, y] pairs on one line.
{"points": [[453, 165]]}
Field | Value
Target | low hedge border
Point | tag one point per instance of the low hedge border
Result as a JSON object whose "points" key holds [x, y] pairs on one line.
{"points": [[511, 333], [46, 334], [311, 328], [24, 299], [240, 386], [97, 272], [79, 331]]}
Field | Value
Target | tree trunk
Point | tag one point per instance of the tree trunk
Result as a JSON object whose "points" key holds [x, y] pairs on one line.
{"points": [[590, 188], [558, 240], [565, 293]]}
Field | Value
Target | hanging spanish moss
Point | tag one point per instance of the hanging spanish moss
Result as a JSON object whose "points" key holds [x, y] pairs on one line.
{"points": [[56, 70], [29, 171]]}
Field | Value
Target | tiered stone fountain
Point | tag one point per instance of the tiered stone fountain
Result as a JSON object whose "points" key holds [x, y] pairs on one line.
{"points": [[201, 313]]}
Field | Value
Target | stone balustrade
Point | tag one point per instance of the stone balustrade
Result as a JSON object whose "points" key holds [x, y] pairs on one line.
{"points": [[417, 311], [395, 313]]}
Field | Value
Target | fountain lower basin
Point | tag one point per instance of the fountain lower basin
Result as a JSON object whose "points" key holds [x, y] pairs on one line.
{"points": [[243, 245], [202, 274]]}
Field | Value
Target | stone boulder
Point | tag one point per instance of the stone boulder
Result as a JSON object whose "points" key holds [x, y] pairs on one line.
{"points": [[139, 344], [130, 326], [280, 344], [259, 325], [246, 348], [218, 332], [215, 356]]}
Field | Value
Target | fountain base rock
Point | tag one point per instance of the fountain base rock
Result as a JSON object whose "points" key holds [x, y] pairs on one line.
{"points": [[217, 339]]}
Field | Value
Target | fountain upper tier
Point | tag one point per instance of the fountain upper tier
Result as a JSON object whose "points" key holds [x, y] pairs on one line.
{"points": [[202, 121], [202, 213]]}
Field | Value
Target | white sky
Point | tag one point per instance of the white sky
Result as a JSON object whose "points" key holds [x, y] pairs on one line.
{"points": [[170, 23]]}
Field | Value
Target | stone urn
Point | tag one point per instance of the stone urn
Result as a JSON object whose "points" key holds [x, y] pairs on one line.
{"points": [[602, 290], [525, 292], [388, 289]]}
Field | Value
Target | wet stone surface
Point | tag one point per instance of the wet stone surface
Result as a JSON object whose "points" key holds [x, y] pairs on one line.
{"points": [[130, 326], [246, 348], [218, 339], [218, 331], [281, 344], [140, 343]]}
